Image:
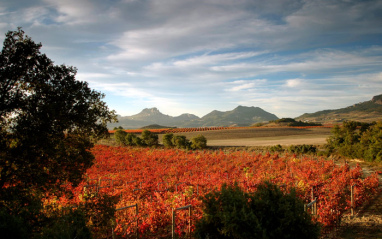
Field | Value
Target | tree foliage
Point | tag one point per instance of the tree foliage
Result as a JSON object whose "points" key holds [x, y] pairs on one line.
{"points": [[120, 136], [268, 213], [357, 140], [47, 122], [149, 138], [199, 142], [181, 142], [167, 140]]}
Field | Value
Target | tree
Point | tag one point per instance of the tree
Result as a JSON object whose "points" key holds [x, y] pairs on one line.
{"points": [[149, 138], [130, 139], [48, 121], [181, 142], [167, 140], [357, 140], [120, 136], [199, 142]]}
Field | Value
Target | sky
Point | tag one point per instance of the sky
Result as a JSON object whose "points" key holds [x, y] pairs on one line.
{"points": [[287, 57]]}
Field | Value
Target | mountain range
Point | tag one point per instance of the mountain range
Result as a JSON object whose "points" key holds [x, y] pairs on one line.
{"points": [[367, 111], [240, 116]]}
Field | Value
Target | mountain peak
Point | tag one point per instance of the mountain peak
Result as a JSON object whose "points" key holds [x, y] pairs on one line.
{"points": [[151, 110]]}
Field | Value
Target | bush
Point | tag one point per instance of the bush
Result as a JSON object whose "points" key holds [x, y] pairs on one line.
{"points": [[268, 213], [130, 139], [180, 141], [137, 141], [357, 140], [71, 225], [302, 149], [199, 142], [276, 148], [167, 140], [149, 138], [120, 136]]}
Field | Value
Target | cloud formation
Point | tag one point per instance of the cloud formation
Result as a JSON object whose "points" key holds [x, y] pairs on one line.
{"points": [[288, 57]]}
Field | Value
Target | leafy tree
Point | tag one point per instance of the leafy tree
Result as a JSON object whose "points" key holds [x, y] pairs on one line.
{"points": [[199, 142], [371, 143], [167, 140], [48, 120], [120, 136], [130, 139], [137, 141], [268, 213], [149, 138], [180, 141], [357, 140]]}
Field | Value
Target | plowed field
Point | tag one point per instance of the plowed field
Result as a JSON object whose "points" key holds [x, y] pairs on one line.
{"points": [[263, 136]]}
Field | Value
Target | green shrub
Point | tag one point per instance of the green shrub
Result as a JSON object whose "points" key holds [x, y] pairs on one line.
{"points": [[302, 149], [70, 225], [130, 139], [199, 142], [357, 140], [180, 141], [276, 148], [167, 140], [137, 141], [120, 136], [149, 138], [268, 213]]}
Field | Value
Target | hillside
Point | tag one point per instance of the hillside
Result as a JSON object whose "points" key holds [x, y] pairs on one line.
{"points": [[240, 116], [367, 111]]}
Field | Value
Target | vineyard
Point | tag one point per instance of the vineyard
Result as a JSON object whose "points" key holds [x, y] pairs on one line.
{"points": [[203, 129], [153, 182]]}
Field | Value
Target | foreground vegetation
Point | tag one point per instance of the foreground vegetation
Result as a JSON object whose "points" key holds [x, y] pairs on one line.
{"points": [[158, 180]]}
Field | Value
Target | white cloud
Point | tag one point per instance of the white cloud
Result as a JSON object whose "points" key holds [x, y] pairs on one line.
{"points": [[293, 83]]}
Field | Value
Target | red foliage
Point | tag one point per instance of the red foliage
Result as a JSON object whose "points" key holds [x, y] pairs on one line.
{"points": [[161, 179]]}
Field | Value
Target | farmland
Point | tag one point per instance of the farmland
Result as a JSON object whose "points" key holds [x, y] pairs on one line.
{"points": [[264, 136], [158, 180], [252, 136]]}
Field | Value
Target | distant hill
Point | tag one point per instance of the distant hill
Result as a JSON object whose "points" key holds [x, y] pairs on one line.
{"points": [[367, 111], [240, 116], [155, 126]]}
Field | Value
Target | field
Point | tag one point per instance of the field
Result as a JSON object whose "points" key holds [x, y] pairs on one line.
{"points": [[159, 180], [262, 136]]}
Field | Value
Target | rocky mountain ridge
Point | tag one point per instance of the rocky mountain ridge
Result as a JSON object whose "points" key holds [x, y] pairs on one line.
{"points": [[240, 116]]}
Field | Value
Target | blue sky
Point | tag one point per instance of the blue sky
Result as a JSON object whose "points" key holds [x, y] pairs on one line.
{"points": [[189, 56]]}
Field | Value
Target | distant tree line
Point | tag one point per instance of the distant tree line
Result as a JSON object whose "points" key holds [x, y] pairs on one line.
{"points": [[151, 139], [147, 138], [293, 122]]}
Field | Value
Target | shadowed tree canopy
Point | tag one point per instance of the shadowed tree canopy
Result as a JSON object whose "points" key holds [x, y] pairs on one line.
{"points": [[48, 120]]}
